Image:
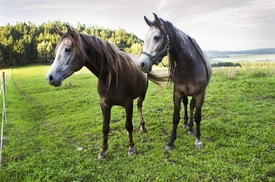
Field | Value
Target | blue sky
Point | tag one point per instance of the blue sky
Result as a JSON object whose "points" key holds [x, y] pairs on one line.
{"points": [[215, 24]]}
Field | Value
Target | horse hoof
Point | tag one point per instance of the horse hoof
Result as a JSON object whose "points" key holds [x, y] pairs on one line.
{"points": [[143, 129], [199, 145], [185, 126], [101, 156], [131, 152], [191, 132], [168, 148]]}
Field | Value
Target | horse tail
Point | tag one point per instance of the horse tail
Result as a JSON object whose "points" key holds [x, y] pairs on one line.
{"points": [[208, 67], [160, 78]]}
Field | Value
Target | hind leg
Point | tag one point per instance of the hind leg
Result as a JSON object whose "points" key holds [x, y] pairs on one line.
{"points": [[185, 117], [192, 107], [139, 106]]}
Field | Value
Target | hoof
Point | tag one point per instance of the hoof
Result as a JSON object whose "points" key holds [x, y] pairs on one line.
{"points": [[131, 152], [199, 145], [191, 132], [185, 126], [101, 155], [168, 148], [143, 129]]}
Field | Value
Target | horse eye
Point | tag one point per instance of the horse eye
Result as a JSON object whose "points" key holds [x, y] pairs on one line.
{"points": [[156, 37], [68, 49]]}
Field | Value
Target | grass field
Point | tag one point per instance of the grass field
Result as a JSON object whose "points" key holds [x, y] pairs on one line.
{"points": [[47, 125]]}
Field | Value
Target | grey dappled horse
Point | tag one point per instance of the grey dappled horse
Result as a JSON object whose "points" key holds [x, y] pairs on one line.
{"points": [[190, 71]]}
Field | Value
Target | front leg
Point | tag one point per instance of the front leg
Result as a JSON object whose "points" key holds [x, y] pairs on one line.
{"points": [[199, 102], [192, 107], [176, 119], [185, 117], [129, 126], [106, 112]]}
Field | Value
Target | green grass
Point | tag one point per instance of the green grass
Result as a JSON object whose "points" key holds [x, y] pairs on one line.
{"points": [[46, 125]]}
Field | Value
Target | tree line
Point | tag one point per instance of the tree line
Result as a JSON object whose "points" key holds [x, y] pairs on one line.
{"points": [[226, 64], [27, 43]]}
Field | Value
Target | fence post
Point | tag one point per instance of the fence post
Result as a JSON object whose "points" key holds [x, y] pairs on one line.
{"points": [[4, 86], [3, 115]]}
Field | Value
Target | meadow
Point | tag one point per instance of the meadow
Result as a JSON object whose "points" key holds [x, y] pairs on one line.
{"points": [[55, 134]]}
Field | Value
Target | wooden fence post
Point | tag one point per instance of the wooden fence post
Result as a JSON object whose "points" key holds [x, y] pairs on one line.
{"points": [[3, 115]]}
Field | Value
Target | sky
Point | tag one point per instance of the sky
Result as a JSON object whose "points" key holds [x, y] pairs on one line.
{"points": [[216, 25]]}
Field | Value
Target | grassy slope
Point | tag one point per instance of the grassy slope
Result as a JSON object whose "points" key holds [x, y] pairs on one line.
{"points": [[46, 125]]}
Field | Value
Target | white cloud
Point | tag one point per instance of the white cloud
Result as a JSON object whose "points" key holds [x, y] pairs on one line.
{"points": [[214, 23], [235, 24], [36, 5], [246, 13]]}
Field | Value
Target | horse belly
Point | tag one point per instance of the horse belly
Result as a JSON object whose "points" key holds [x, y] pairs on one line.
{"points": [[139, 87], [190, 89], [126, 90]]}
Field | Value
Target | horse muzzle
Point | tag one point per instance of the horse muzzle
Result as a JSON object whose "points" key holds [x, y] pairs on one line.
{"points": [[145, 66], [54, 81]]}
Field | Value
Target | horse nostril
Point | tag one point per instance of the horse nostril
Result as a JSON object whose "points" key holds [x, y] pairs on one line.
{"points": [[142, 65], [50, 78]]}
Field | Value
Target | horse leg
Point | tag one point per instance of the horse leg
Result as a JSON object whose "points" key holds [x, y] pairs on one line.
{"points": [[176, 118], [192, 107], [129, 127], [139, 105], [185, 103], [106, 111], [199, 102]]}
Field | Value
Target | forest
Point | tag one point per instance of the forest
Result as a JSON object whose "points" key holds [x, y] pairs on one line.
{"points": [[27, 43]]}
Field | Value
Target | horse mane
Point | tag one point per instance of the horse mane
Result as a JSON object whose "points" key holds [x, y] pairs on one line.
{"points": [[109, 59]]}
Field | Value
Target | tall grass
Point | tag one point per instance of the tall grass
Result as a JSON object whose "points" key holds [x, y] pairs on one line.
{"points": [[47, 125]]}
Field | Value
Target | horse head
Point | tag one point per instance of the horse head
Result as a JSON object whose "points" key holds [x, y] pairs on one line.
{"points": [[69, 57], [156, 44]]}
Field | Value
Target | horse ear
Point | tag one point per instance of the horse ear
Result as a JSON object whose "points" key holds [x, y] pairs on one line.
{"points": [[147, 21], [59, 32], [157, 19], [69, 30]]}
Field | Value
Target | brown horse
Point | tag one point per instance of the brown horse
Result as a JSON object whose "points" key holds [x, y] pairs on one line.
{"points": [[190, 71], [119, 79]]}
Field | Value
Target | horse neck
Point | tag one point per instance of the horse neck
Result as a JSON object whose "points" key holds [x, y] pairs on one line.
{"points": [[188, 56], [93, 56], [183, 52]]}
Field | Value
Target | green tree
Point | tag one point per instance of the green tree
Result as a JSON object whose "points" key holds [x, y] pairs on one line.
{"points": [[45, 50], [2, 64], [25, 43], [136, 48]]}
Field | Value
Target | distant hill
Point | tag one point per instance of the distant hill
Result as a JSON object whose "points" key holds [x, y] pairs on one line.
{"points": [[223, 54]]}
